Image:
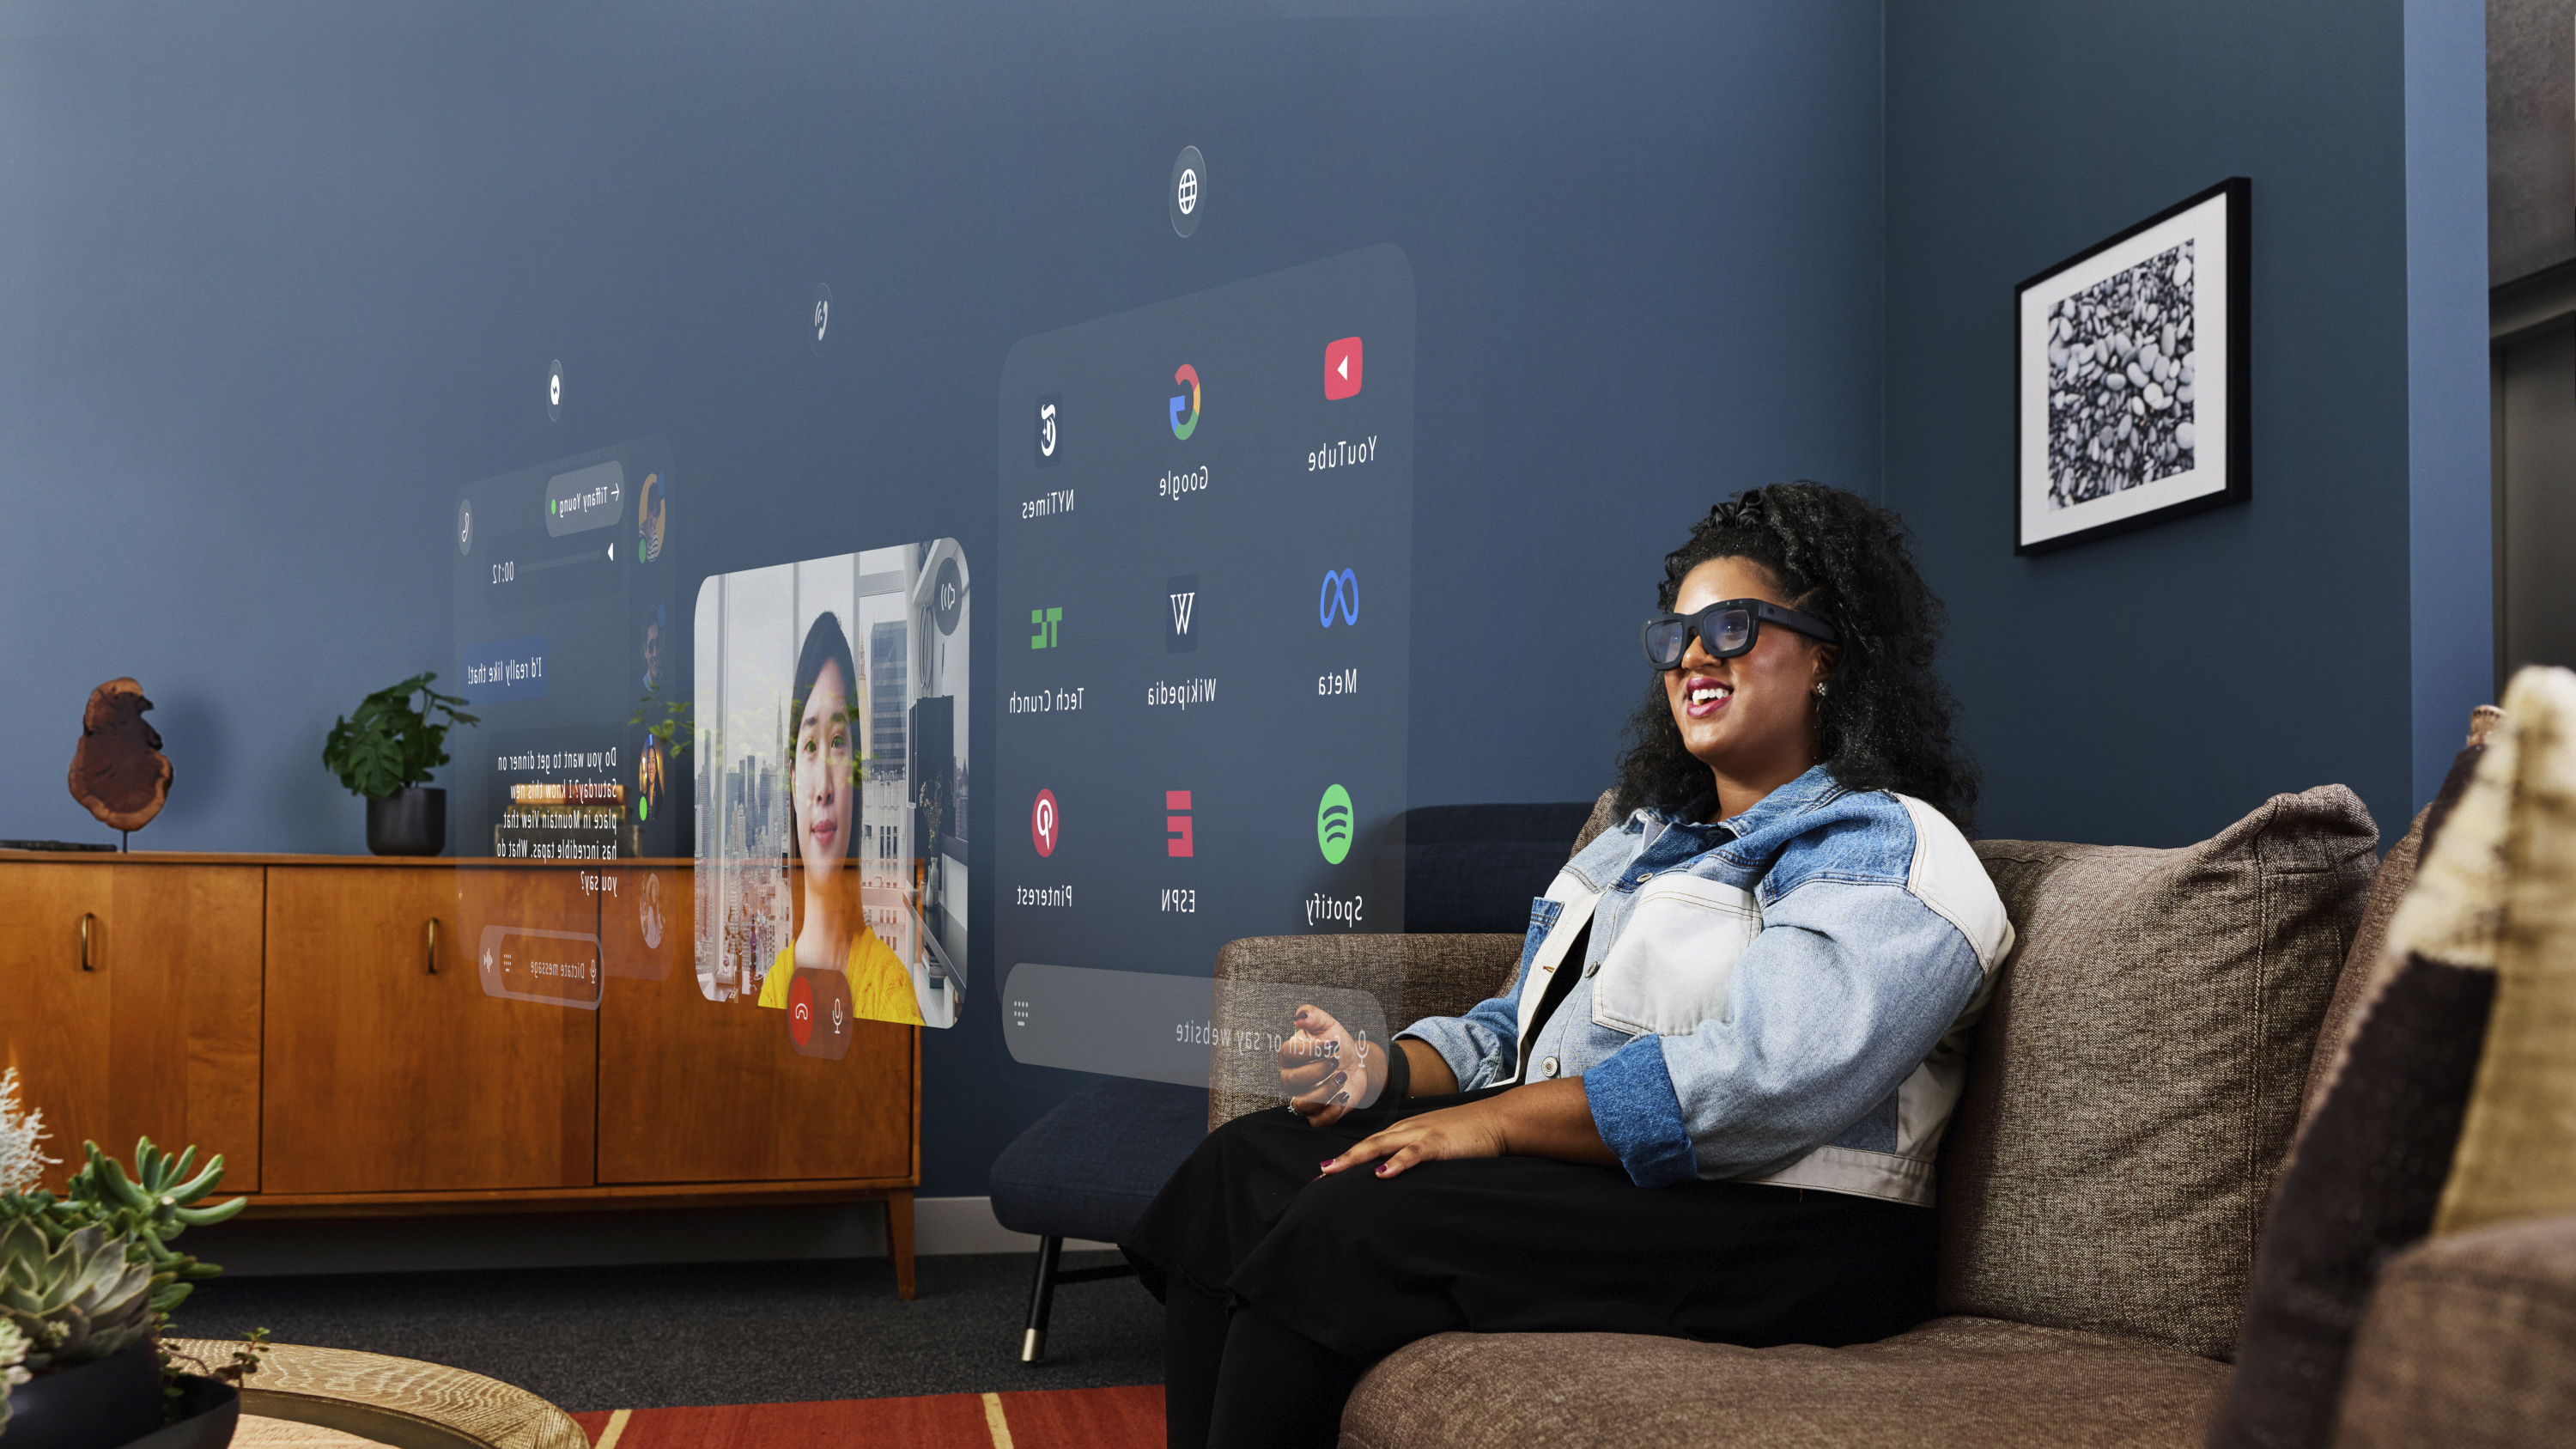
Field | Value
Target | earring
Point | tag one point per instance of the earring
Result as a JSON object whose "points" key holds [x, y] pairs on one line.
{"points": [[1820, 689]]}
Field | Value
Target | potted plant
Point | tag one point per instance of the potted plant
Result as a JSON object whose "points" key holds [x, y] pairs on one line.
{"points": [[384, 755], [86, 1282]]}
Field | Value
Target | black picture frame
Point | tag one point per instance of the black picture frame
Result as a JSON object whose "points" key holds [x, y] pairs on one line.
{"points": [[2118, 424]]}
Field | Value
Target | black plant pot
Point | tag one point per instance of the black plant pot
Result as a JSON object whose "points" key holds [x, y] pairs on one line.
{"points": [[410, 821], [102, 1405], [209, 1409]]}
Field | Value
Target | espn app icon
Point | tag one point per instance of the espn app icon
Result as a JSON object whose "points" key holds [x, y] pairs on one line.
{"points": [[1341, 369]]}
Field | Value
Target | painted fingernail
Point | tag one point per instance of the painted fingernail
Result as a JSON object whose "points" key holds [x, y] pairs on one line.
{"points": [[1337, 1079], [1381, 1169], [1340, 1097], [1326, 1165]]}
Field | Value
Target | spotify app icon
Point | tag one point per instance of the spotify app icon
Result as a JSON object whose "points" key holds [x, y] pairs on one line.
{"points": [[1333, 824]]}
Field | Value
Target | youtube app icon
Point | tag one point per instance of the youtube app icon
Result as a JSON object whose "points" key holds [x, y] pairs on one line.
{"points": [[1342, 369]]}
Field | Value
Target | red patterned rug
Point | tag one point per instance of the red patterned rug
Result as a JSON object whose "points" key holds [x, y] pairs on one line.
{"points": [[1042, 1419]]}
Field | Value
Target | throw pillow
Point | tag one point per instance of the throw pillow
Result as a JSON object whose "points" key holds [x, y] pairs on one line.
{"points": [[2373, 1157], [2136, 1081]]}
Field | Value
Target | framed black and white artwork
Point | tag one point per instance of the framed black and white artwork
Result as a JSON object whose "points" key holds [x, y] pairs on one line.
{"points": [[2131, 379]]}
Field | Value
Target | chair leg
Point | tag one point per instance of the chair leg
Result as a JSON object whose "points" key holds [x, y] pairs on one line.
{"points": [[1041, 1300]]}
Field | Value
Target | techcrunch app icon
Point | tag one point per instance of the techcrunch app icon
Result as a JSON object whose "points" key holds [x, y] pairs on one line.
{"points": [[1333, 824]]}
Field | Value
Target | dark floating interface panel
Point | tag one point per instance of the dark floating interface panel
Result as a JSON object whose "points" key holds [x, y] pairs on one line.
{"points": [[563, 590], [1206, 524]]}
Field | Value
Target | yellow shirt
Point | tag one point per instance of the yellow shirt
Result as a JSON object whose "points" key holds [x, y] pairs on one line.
{"points": [[880, 989]]}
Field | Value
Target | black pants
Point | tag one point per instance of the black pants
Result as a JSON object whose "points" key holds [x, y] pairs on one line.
{"points": [[1323, 1278]]}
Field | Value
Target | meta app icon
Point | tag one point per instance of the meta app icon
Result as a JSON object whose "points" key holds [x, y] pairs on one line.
{"points": [[1050, 430], [1341, 369], [1185, 408], [1333, 824], [1340, 599], [1048, 621], [1180, 840], [1180, 625]]}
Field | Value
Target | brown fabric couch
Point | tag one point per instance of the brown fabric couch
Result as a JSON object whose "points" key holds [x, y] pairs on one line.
{"points": [[2135, 1089]]}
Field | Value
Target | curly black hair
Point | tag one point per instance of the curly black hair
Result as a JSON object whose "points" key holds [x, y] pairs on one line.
{"points": [[1885, 720]]}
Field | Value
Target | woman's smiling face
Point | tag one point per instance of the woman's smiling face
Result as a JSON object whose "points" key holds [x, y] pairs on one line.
{"points": [[825, 769], [1750, 717]]}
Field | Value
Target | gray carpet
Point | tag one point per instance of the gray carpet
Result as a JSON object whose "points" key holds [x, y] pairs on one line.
{"points": [[730, 1333]]}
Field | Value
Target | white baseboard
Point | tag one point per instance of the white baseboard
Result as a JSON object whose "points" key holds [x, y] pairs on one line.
{"points": [[945, 1225], [263, 1247]]}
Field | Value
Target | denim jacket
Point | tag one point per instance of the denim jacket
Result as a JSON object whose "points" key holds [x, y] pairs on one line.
{"points": [[1782, 997]]}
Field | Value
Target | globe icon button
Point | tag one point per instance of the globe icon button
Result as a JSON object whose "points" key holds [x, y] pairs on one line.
{"points": [[1187, 195]]}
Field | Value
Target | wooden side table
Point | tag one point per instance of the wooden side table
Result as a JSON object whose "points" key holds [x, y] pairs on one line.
{"points": [[394, 1401]]}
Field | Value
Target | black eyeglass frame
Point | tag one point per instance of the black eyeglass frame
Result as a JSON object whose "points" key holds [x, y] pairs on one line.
{"points": [[1760, 610]]}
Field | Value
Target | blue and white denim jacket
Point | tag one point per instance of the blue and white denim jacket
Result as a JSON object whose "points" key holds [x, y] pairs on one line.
{"points": [[1782, 997]]}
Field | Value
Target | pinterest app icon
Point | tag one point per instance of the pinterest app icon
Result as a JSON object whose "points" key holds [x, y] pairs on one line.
{"points": [[1044, 822]]}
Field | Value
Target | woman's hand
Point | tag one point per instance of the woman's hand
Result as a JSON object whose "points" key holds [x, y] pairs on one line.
{"points": [[1543, 1119], [1326, 1071], [1473, 1130]]}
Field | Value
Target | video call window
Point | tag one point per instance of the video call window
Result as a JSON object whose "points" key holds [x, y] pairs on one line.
{"points": [[832, 789]]}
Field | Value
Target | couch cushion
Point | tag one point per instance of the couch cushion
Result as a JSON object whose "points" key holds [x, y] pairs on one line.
{"points": [[1954, 1381], [2373, 1152], [2470, 1343], [2137, 1079]]}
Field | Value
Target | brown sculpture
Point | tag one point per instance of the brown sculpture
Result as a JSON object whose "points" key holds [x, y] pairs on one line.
{"points": [[119, 771]]}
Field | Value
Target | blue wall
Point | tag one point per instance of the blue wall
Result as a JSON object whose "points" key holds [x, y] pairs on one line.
{"points": [[2150, 688], [276, 278]]}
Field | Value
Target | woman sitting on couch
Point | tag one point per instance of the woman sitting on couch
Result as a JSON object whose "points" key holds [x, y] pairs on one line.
{"points": [[1708, 1102]]}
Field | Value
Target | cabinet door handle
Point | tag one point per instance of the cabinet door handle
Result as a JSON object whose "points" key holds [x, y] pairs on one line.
{"points": [[89, 923], [431, 951]]}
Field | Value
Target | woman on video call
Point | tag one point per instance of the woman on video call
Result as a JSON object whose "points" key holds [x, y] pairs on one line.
{"points": [[1707, 1104], [823, 786]]}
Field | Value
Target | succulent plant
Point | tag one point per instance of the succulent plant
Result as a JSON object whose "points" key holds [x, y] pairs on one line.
{"points": [[146, 1208], [75, 1302], [13, 1366]]}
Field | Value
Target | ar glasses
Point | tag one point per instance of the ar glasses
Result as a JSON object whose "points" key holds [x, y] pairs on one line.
{"points": [[1727, 628]]}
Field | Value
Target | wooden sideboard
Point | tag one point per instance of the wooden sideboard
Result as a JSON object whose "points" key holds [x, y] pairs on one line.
{"points": [[302, 1016]]}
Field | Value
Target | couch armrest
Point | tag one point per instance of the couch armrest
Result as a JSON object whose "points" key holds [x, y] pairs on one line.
{"points": [[1259, 981], [2468, 1341]]}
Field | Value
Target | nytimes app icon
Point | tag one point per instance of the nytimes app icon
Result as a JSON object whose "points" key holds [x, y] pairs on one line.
{"points": [[1050, 437]]}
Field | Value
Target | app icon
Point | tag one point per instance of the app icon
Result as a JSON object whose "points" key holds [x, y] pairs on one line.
{"points": [[1180, 634], [1333, 824], [1046, 620], [1341, 369], [822, 315], [1187, 403], [1044, 823], [1049, 451], [1177, 823], [1341, 596], [554, 391]]}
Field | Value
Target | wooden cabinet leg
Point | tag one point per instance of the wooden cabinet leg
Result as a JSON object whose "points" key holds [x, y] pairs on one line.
{"points": [[899, 1240]]}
